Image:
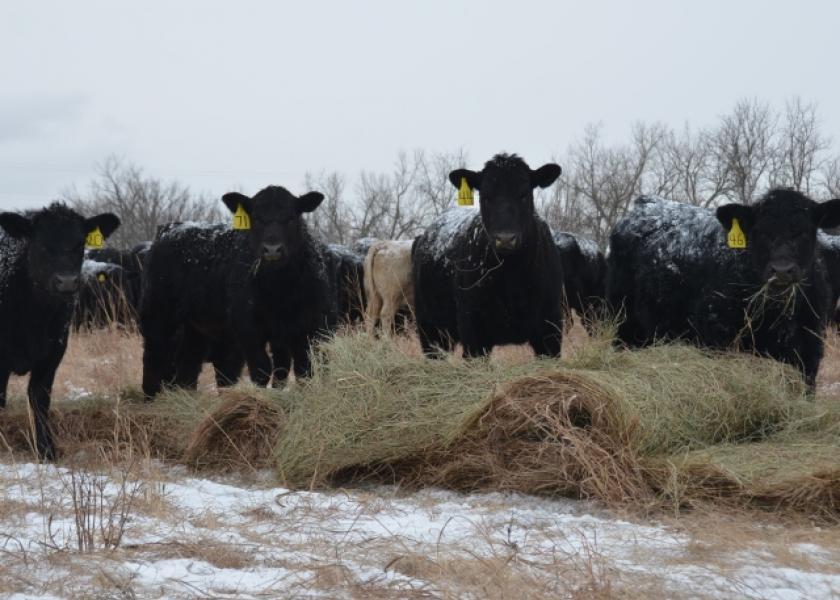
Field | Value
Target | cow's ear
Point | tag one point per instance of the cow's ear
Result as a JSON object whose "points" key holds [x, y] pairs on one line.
{"points": [[308, 202], [742, 212], [545, 175], [473, 178], [233, 199], [827, 214], [106, 222], [16, 225]]}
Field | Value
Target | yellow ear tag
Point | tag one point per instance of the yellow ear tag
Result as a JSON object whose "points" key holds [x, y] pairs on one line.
{"points": [[465, 195], [95, 240], [241, 220], [736, 237], [101, 277]]}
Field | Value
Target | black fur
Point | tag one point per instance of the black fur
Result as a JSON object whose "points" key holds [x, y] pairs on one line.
{"points": [[40, 262], [213, 293], [105, 297], [829, 246], [347, 269], [584, 276], [673, 273], [494, 277]]}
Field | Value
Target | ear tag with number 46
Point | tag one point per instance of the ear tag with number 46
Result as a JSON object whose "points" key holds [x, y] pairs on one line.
{"points": [[95, 240], [465, 195], [736, 238], [241, 220]]}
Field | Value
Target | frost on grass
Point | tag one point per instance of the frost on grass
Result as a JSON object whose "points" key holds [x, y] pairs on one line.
{"points": [[193, 537]]}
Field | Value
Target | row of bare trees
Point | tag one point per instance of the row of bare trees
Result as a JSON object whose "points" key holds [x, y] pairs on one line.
{"points": [[746, 151]]}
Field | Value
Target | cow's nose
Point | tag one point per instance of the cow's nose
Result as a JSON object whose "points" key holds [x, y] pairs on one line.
{"points": [[506, 241], [783, 272], [272, 251], [66, 284]]}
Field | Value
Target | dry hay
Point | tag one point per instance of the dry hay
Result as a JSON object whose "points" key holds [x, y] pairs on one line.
{"points": [[645, 427], [241, 432], [158, 429], [668, 426]]}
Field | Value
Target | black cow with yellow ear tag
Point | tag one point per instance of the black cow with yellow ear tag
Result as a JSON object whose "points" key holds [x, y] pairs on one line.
{"points": [[230, 293], [40, 262], [744, 276], [493, 276]]}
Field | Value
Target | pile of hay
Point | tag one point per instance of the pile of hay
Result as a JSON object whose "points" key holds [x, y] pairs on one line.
{"points": [[617, 426], [665, 426], [240, 433], [224, 432]]}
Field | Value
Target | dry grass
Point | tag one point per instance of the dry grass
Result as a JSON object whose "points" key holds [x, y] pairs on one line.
{"points": [[668, 427], [239, 434]]}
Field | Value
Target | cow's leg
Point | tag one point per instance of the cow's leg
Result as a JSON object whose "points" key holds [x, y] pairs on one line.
{"points": [[4, 384], [40, 387], [549, 341], [389, 315], [807, 357], [433, 341], [302, 360], [158, 357], [282, 359], [374, 309], [476, 349], [190, 357], [227, 362], [259, 363]]}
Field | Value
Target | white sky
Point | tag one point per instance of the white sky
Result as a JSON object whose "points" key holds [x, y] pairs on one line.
{"points": [[225, 95]]}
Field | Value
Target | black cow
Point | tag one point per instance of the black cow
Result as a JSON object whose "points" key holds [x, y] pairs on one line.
{"points": [[131, 262], [584, 276], [675, 276], [40, 262], [494, 276], [830, 250], [223, 294], [105, 297], [348, 272]]}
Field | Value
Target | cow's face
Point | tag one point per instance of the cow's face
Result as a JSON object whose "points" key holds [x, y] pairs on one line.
{"points": [[506, 197], [277, 228], [56, 244], [781, 232]]}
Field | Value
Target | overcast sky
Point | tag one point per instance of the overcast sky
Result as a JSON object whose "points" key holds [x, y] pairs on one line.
{"points": [[225, 95]]}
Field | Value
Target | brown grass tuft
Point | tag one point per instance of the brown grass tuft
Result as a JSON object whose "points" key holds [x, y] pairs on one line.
{"points": [[240, 433]]}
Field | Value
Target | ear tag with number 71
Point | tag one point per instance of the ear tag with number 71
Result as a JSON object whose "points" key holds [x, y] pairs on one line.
{"points": [[241, 220]]}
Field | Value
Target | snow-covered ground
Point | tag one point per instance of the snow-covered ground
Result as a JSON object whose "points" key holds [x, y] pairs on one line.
{"points": [[191, 537]]}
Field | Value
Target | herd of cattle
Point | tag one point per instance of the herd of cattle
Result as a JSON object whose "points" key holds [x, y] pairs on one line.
{"points": [[761, 278]]}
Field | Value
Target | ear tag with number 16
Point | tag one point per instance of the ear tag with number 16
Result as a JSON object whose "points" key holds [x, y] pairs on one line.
{"points": [[95, 240]]}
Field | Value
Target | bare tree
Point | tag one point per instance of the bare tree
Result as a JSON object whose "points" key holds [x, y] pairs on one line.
{"points": [[142, 202], [745, 145], [333, 220], [700, 179], [604, 180], [801, 147], [432, 186]]}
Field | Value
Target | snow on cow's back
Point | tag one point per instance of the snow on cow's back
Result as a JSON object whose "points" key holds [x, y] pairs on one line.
{"points": [[678, 231], [193, 228], [443, 230], [92, 268]]}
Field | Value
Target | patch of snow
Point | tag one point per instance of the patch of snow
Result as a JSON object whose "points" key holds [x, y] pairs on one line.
{"points": [[278, 540]]}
